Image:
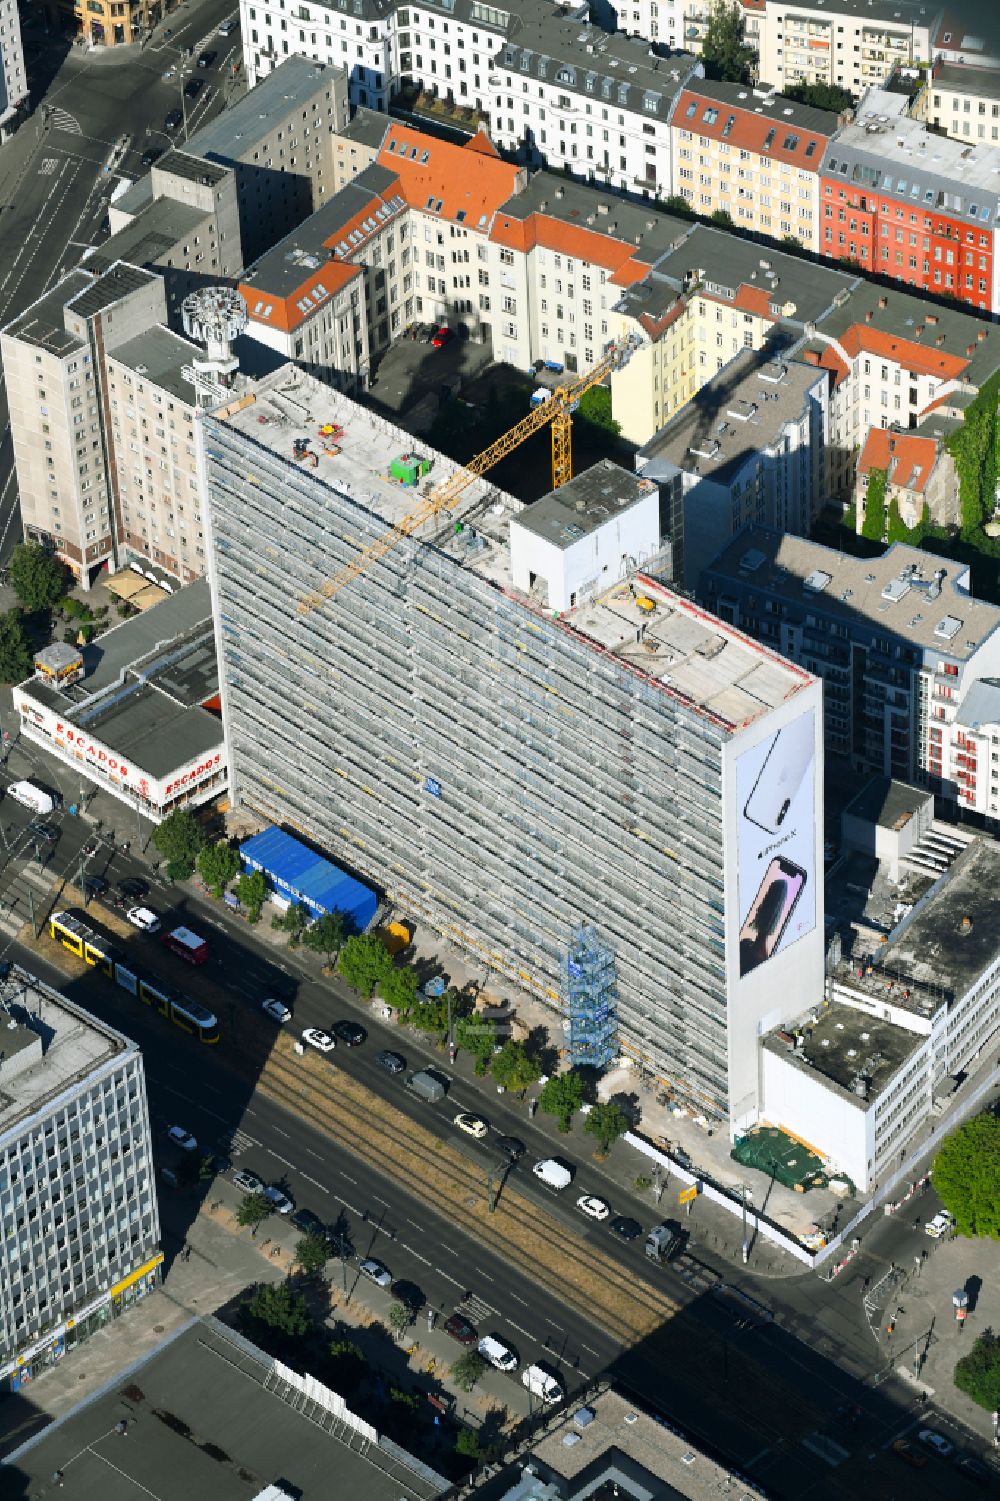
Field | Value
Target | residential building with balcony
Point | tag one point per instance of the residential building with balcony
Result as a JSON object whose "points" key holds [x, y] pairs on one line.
{"points": [[900, 643], [852, 44], [752, 154]]}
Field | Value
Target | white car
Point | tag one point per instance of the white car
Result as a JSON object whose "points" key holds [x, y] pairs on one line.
{"points": [[472, 1125], [593, 1208], [248, 1182], [182, 1139], [315, 1037], [936, 1441], [376, 1271], [282, 1203], [141, 917], [939, 1225], [277, 1011]]}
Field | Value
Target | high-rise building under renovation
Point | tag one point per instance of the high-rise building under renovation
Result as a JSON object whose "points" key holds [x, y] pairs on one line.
{"points": [[515, 731]]}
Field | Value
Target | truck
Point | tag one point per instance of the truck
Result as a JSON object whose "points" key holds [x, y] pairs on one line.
{"points": [[187, 945], [663, 1241], [428, 1085], [31, 797]]}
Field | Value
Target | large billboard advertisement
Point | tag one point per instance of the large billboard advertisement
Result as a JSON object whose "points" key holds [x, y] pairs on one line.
{"points": [[776, 841]]}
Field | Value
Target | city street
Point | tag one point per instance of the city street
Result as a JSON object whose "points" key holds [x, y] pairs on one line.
{"points": [[101, 108]]}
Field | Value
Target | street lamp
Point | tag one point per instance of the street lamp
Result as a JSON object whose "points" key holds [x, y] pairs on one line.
{"points": [[745, 1247]]}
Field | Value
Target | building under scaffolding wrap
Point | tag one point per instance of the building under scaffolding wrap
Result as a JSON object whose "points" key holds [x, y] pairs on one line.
{"points": [[512, 729], [591, 1000]]}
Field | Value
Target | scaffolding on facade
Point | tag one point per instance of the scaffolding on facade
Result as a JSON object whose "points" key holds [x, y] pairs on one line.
{"points": [[591, 1000]]}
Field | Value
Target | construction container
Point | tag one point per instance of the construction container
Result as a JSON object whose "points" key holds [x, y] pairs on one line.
{"points": [[409, 468]]}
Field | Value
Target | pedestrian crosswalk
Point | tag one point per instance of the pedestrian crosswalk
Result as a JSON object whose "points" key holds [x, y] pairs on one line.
{"points": [[61, 119], [29, 893]]}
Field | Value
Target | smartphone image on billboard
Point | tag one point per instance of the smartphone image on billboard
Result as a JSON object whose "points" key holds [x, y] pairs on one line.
{"points": [[780, 777], [770, 912]]}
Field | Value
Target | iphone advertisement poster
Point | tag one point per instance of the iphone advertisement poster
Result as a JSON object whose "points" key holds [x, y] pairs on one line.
{"points": [[775, 844]]}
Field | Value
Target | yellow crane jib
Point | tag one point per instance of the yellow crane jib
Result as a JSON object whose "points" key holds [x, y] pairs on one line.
{"points": [[556, 412]]}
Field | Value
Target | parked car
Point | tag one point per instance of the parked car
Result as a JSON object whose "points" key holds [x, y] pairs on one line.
{"points": [[409, 1294], [472, 1125], [497, 1353], [393, 1063], [220, 1164], [144, 918], [376, 1271], [942, 1224], [351, 1034], [277, 1011], [593, 1208], [182, 1138], [459, 1327], [315, 1037], [150, 155], [310, 1224], [173, 120], [94, 886], [512, 1145], [282, 1203], [443, 336], [936, 1441], [134, 887], [625, 1228], [206, 58], [248, 1182], [904, 1450], [192, 88], [46, 832]]}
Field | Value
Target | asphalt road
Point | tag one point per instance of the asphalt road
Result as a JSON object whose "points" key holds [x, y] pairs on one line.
{"points": [[54, 207]]}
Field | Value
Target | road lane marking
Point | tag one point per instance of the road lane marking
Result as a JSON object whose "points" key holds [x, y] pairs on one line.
{"points": [[518, 1300], [416, 1226], [349, 1178], [447, 1277], [412, 1252]]}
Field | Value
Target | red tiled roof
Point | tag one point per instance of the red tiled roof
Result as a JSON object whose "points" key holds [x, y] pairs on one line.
{"points": [[906, 458], [481, 142], [435, 172], [576, 240], [908, 352], [750, 131], [283, 312]]}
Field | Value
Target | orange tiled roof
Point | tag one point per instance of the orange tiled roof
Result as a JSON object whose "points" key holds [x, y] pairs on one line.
{"points": [[481, 142], [435, 172], [908, 352], [576, 240], [906, 458], [284, 313], [750, 131]]}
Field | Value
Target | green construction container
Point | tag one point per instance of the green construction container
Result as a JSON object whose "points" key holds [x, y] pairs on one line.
{"points": [[408, 468]]}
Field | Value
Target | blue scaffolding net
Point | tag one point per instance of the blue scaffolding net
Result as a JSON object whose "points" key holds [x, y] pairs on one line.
{"points": [[591, 999]]}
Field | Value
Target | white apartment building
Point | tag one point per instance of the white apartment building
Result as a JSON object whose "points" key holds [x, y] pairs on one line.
{"points": [[53, 358], [853, 44], [569, 96], [357, 35], [13, 77], [964, 102]]}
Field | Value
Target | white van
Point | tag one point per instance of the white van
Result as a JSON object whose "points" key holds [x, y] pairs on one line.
{"points": [[499, 1355], [31, 797], [553, 1173], [542, 1383]]}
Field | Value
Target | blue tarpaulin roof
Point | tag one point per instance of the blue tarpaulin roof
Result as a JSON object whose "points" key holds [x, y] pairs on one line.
{"points": [[298, 873]]}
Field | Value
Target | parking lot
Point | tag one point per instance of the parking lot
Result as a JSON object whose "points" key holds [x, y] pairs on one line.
{"points": [[413, 369]]}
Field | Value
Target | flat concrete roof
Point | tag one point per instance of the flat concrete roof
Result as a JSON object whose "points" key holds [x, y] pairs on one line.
{"points": [[74, 1044], [977, 83], [369, 127], [150, 236], [981, 704], [184, 163], [43, 323], [886, 803], [159, 356], [584, 503], [846, 1047], [869, 590], [738, 413], [201, 1424], [645, 228], [232, 135], [708, 666], [761, 101]]}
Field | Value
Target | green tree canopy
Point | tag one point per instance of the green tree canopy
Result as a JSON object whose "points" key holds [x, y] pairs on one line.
{"points": [[607, 1121], [467, 1369], [874, 523], [278, 1306], [675, 204], [430, 1014], [514, 1068], [723, 50], [294, 921], [400, 1318], [36, 577], [398, 986], [475, 1035], [966, 1176], [595, 407], [722, 217], [251, 893], [312, 1253], [364, 962], [562, 1096], [253, 1211], [978, 1373], [218, 864], [821, 95], [973, 447], [15, 653], [179, 838], [326, 935], [467, 1443]]}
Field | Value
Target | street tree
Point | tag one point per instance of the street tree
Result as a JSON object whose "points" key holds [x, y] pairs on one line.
{"points": [[15, 653], [400, 1319], [478, 1037], [430, 1014], [398, 987], [514, 1068], [253, 1211], [37, 578], [723, 51], [364, 962], [966, 1176], [294, 921], [326, 935], [467, 1443], [218, 864], [312, 1254], [278, 1306], [607, 1121], [562, 1096], [467, 1369], [179, 838], [251, 893], [978, 1373]]}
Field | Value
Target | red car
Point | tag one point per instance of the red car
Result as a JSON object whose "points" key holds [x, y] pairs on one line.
{"points": [[459, 1328], [443, 336]]}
